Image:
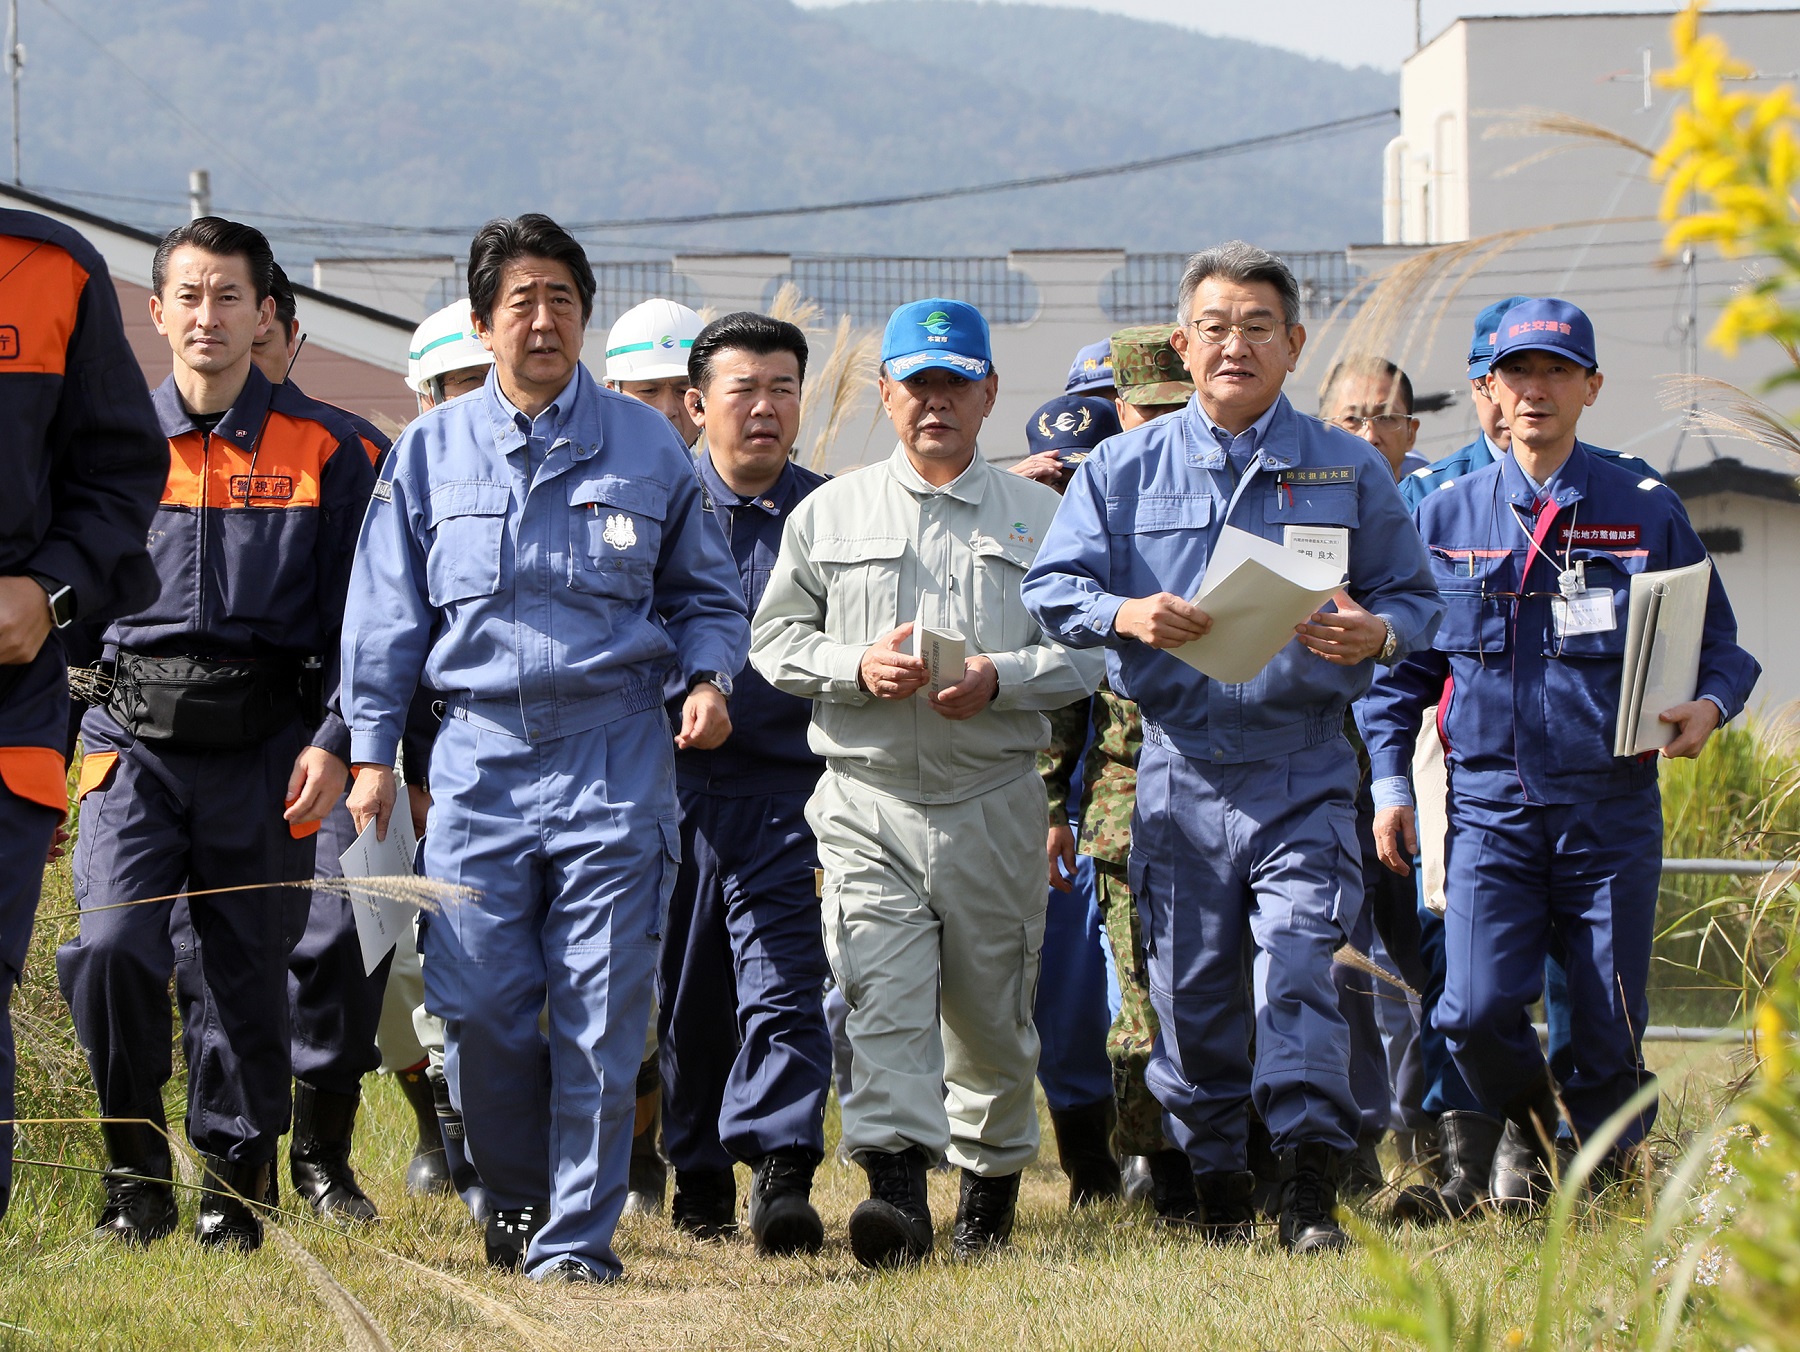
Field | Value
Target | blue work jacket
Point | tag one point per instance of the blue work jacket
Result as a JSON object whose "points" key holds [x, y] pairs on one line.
{"points": [[545, 610], [1528, 716], [1142, 515], [767, 750], [1416, 486]]}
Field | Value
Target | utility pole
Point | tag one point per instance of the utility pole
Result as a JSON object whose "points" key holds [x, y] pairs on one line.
{"points": [[1418, 24], [199, 194], [15, 62]]}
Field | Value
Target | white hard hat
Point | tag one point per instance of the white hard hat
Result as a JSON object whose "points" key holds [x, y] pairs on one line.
{"points": [[445, 342], [652, 341]]}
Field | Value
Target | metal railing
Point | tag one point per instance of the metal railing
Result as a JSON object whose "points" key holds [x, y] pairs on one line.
{"points": [[869, 289]]}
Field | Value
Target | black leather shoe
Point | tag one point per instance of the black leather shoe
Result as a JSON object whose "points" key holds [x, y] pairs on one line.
{"points": [[1227, 1206], [984, 1214], [1362, 1175], [1309, 1175], [463, 1176], [1172, 1194], [509, 1232], [705, 1204], [648, 1178], [319, 1154], [1466, 1145], [226, 1219], [1084, 1149], [1136, 1179], [1521, 1182], [893, 1227], [140, 1200], [572, 1271], [427, 1172], [782, 1218]]}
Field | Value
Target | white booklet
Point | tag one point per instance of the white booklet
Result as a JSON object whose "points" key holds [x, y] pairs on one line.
{"points": [[1663, 629], [942, 648], [380, 919], [1256, 592]]}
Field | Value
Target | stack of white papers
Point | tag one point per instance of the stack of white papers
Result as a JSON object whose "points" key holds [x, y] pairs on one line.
{"points": [[380, 919], [1662, 654], [1256, 592], [943, 651]]}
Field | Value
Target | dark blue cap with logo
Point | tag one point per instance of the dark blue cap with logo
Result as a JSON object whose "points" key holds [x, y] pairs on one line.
{"points": [[1481, 347], [1071, 422], [947, 334], [1091, 369], [1547, 326]]}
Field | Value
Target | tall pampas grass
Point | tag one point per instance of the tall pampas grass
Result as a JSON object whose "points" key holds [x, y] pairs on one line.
{"points": [[837, 382]]}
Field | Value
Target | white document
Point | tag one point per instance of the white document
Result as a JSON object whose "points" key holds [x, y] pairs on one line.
{"points": [[380, 920], [943, 651], [1256, 592], [1663, 629]]}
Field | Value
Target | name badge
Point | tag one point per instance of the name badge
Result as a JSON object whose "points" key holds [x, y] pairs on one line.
{"points": [[1328, 544], [1586, 612]]}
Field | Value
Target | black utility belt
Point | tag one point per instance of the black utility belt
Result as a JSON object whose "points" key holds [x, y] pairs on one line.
{"points": [[199, 704]]}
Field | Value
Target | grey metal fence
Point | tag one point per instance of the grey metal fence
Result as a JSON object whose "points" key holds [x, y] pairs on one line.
{"points": [[619, 286], [869, 289]]}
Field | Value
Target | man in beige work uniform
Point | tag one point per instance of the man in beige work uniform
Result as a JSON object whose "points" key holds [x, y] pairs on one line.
{"points": [[930, 815]]}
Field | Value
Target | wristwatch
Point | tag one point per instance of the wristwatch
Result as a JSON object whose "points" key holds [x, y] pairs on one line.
{"points": [[1391, 645], [714, 678], [62, 600]]}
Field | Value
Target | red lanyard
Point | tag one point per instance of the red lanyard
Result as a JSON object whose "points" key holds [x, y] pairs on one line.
{"points": [[1535, 539]]}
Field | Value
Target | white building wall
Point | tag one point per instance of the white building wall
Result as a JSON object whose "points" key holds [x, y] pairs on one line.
{"points": [[1761, 581]]}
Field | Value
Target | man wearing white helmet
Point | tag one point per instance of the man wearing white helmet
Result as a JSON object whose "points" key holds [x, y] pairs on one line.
{"points": [[646, 357], [446, 359]]}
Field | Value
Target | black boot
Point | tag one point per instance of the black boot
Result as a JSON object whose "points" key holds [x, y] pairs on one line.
{"points": [[319, 1154], [1172, 1192], [1362, 1176], [1084, 1149], [648, 1178], [463, 1176], [140, 1199], [984, 1214], [1260, 1151], [1521, 1181], [893, 1227], [427, 1172], [226, 1218], [1466, 1145], [782, 1219], [1135, 1175], [1228, 1205], [1309, 1175], [508, 1234], [705, 1204]]}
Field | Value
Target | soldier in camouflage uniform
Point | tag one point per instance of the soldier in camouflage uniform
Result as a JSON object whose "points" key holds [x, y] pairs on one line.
{"points": [[1151, 381]]}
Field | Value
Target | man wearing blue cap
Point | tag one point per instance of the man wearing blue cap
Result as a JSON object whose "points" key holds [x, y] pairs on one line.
{"points": [[930, 815], [1059, 434], [1550, 833], [1091, 373]]}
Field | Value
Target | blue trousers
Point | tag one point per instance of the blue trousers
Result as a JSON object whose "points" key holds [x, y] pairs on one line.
{"points": [[1072, 1012], [744, 1050], [1445, 1089], [573, 845], [25, 830], [160, 823], [1263, 854], [1519, 877]]}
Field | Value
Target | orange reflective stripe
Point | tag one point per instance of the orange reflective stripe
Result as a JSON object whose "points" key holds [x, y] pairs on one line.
{"points": [[289, 461], [95, 767], [38, 305], [301, 830], [37, 774]]}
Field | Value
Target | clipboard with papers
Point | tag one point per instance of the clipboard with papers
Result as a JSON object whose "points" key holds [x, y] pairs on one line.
{"points": [[1256, 591], [1663, 630]]}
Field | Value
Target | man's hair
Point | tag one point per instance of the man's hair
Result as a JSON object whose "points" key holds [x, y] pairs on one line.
{"points": [[1236, 261], [216, 235], [285, 311], [533, 235], [743, 331], [1379, 368]]}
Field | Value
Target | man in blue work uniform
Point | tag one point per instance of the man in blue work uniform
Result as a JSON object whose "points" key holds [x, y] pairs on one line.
{"points": [[212, 759], [1245, 821], [85, 467], [743, 936], [1550, 834], [1466, 1136], [539, 553]]}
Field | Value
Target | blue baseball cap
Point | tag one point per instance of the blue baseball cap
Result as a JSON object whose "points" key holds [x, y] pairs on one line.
{"points": [[1071, 422], [1481, 347], [948, 334], [1547, 326], [1091, 369]]}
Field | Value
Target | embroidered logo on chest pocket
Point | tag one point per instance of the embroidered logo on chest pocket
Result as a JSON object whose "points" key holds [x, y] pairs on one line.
{"points": [[620, 532]]}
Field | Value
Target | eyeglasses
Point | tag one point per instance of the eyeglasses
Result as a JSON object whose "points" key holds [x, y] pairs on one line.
{"points": [[1258, 331], [1381, 422]]}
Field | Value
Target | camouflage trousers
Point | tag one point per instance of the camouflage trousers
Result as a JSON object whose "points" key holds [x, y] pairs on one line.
{"points": [[1133, 1032]]}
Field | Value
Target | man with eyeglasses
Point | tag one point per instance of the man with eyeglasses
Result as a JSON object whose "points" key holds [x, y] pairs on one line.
{"points": [[1245, 824], [1551, 834], [1371, 398]]}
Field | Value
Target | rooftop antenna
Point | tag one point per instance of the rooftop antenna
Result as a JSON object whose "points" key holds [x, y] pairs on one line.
{"points": [[15, 62], [199, 194]]}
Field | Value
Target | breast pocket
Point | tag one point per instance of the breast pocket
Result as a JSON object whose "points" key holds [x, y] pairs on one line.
{"points": [[1312, 505], [1603, 571], [1478, 601], [862, 585], [1001, 622], [615, 535], [1159, 541], [468, 535]]}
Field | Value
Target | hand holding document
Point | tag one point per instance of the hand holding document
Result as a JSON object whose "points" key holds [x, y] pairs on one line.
{"points": [[380, 919], [1666, 620], [1256, 591], [943, 652]]}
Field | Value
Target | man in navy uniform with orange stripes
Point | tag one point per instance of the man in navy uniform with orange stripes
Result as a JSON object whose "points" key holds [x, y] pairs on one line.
{"points": [[212, 760], [83, 467]]}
